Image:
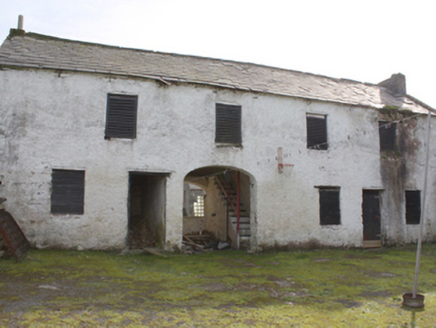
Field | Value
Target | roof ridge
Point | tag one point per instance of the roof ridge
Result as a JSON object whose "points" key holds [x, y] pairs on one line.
{"points": [[38, 36], [67, 54]]}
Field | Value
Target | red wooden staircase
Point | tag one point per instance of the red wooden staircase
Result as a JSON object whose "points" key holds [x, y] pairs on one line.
{"points": [[237, 214]]}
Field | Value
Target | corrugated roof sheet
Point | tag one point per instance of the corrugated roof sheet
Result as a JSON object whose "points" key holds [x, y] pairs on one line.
{"points": [[30, 50]]}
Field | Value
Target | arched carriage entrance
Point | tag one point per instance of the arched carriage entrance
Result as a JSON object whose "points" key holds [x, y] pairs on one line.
{"points": [[218, 200]]}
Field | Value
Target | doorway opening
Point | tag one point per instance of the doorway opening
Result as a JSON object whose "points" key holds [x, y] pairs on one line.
{"points": [[371, 218], [223, 199], [147, 200]]}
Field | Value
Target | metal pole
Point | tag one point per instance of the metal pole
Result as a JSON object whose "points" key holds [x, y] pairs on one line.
{"points": [[421, 221], [238, 213]]}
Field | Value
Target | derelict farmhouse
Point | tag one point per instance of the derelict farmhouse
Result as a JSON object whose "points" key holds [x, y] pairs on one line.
{"points": [[105, 147]]}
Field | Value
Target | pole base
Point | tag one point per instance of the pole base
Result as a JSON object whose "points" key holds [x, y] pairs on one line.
{"points": [[413, 302]]}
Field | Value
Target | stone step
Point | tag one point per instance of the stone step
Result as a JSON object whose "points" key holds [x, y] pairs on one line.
{"points": [[242, 213], [242, 219], [234, 200], [243, 232], [244, 226], [244, 242]]}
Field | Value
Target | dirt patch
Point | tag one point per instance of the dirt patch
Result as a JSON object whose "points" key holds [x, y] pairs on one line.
{"points": [[241, 264], [361, 256], [349, 303], [303, 293], [216, 287], [377, 294], [376, 274], [282, 283]]}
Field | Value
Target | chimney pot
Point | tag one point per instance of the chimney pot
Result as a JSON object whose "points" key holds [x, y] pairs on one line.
{"points": [[20, 22]]}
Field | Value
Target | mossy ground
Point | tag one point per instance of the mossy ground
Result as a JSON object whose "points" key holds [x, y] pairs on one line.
{"points": [[316, 288]]}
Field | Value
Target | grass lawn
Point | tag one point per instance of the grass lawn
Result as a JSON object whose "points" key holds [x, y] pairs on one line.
{"points": [[306, 288]]}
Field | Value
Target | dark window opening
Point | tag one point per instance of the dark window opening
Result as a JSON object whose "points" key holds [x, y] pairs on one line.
{"points": [[329, 207], [413, 206], [228, 124], [68, 192], [388, 135], [316, 132], [121, 116]]}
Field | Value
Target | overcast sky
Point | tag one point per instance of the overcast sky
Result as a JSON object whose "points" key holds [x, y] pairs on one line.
{"points": [[366, 41]]}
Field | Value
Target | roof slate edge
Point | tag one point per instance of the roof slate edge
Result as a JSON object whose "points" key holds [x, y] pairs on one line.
{"points": [[49, 37], [421, 103], [14, 33], [166, 80]]}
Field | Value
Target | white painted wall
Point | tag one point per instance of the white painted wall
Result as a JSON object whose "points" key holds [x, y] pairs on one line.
{"points": [[57, 121]]}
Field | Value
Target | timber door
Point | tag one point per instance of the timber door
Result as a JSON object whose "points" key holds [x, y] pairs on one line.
{"points": [[371, 218]]}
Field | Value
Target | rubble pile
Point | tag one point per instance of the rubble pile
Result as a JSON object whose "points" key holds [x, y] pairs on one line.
{"points": [[202, 241]]}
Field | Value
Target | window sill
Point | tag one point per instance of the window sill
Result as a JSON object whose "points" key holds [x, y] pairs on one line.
{"points": [[317, 149], [227, 145], [118, 138], [66, 216], [330, 225]]}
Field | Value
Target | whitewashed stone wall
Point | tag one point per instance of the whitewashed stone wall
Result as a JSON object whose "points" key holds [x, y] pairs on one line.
{"points": [[53, 120]]}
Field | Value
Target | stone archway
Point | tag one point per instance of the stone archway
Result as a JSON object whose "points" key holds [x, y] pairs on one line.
{"points": [[221, 186]]}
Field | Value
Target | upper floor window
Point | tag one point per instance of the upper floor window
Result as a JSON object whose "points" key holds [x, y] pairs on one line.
{"points": [[388, 135], [316, 131], [329, 206], [228, 124], [68, 192], [413, 206], [121, 116]]}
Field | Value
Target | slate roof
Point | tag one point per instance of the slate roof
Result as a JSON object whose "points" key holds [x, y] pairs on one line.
{"points": [[31, 50]]}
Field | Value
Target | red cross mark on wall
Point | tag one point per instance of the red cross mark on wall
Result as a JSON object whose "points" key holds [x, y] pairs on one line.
{"points": [[281, 165]]}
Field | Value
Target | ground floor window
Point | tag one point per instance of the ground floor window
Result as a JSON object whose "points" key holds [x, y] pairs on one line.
{"points": [[199, 206], [68, 192], [329, 206], [413, 206], [194, 198]]}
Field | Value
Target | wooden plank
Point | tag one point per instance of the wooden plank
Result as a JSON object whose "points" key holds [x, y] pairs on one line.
{"points": [[188, 241], [14, 237], [199, 237], [154, 252]]}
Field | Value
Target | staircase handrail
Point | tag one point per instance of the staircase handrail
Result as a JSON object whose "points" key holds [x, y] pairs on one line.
{"points": [[230, 200]]}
